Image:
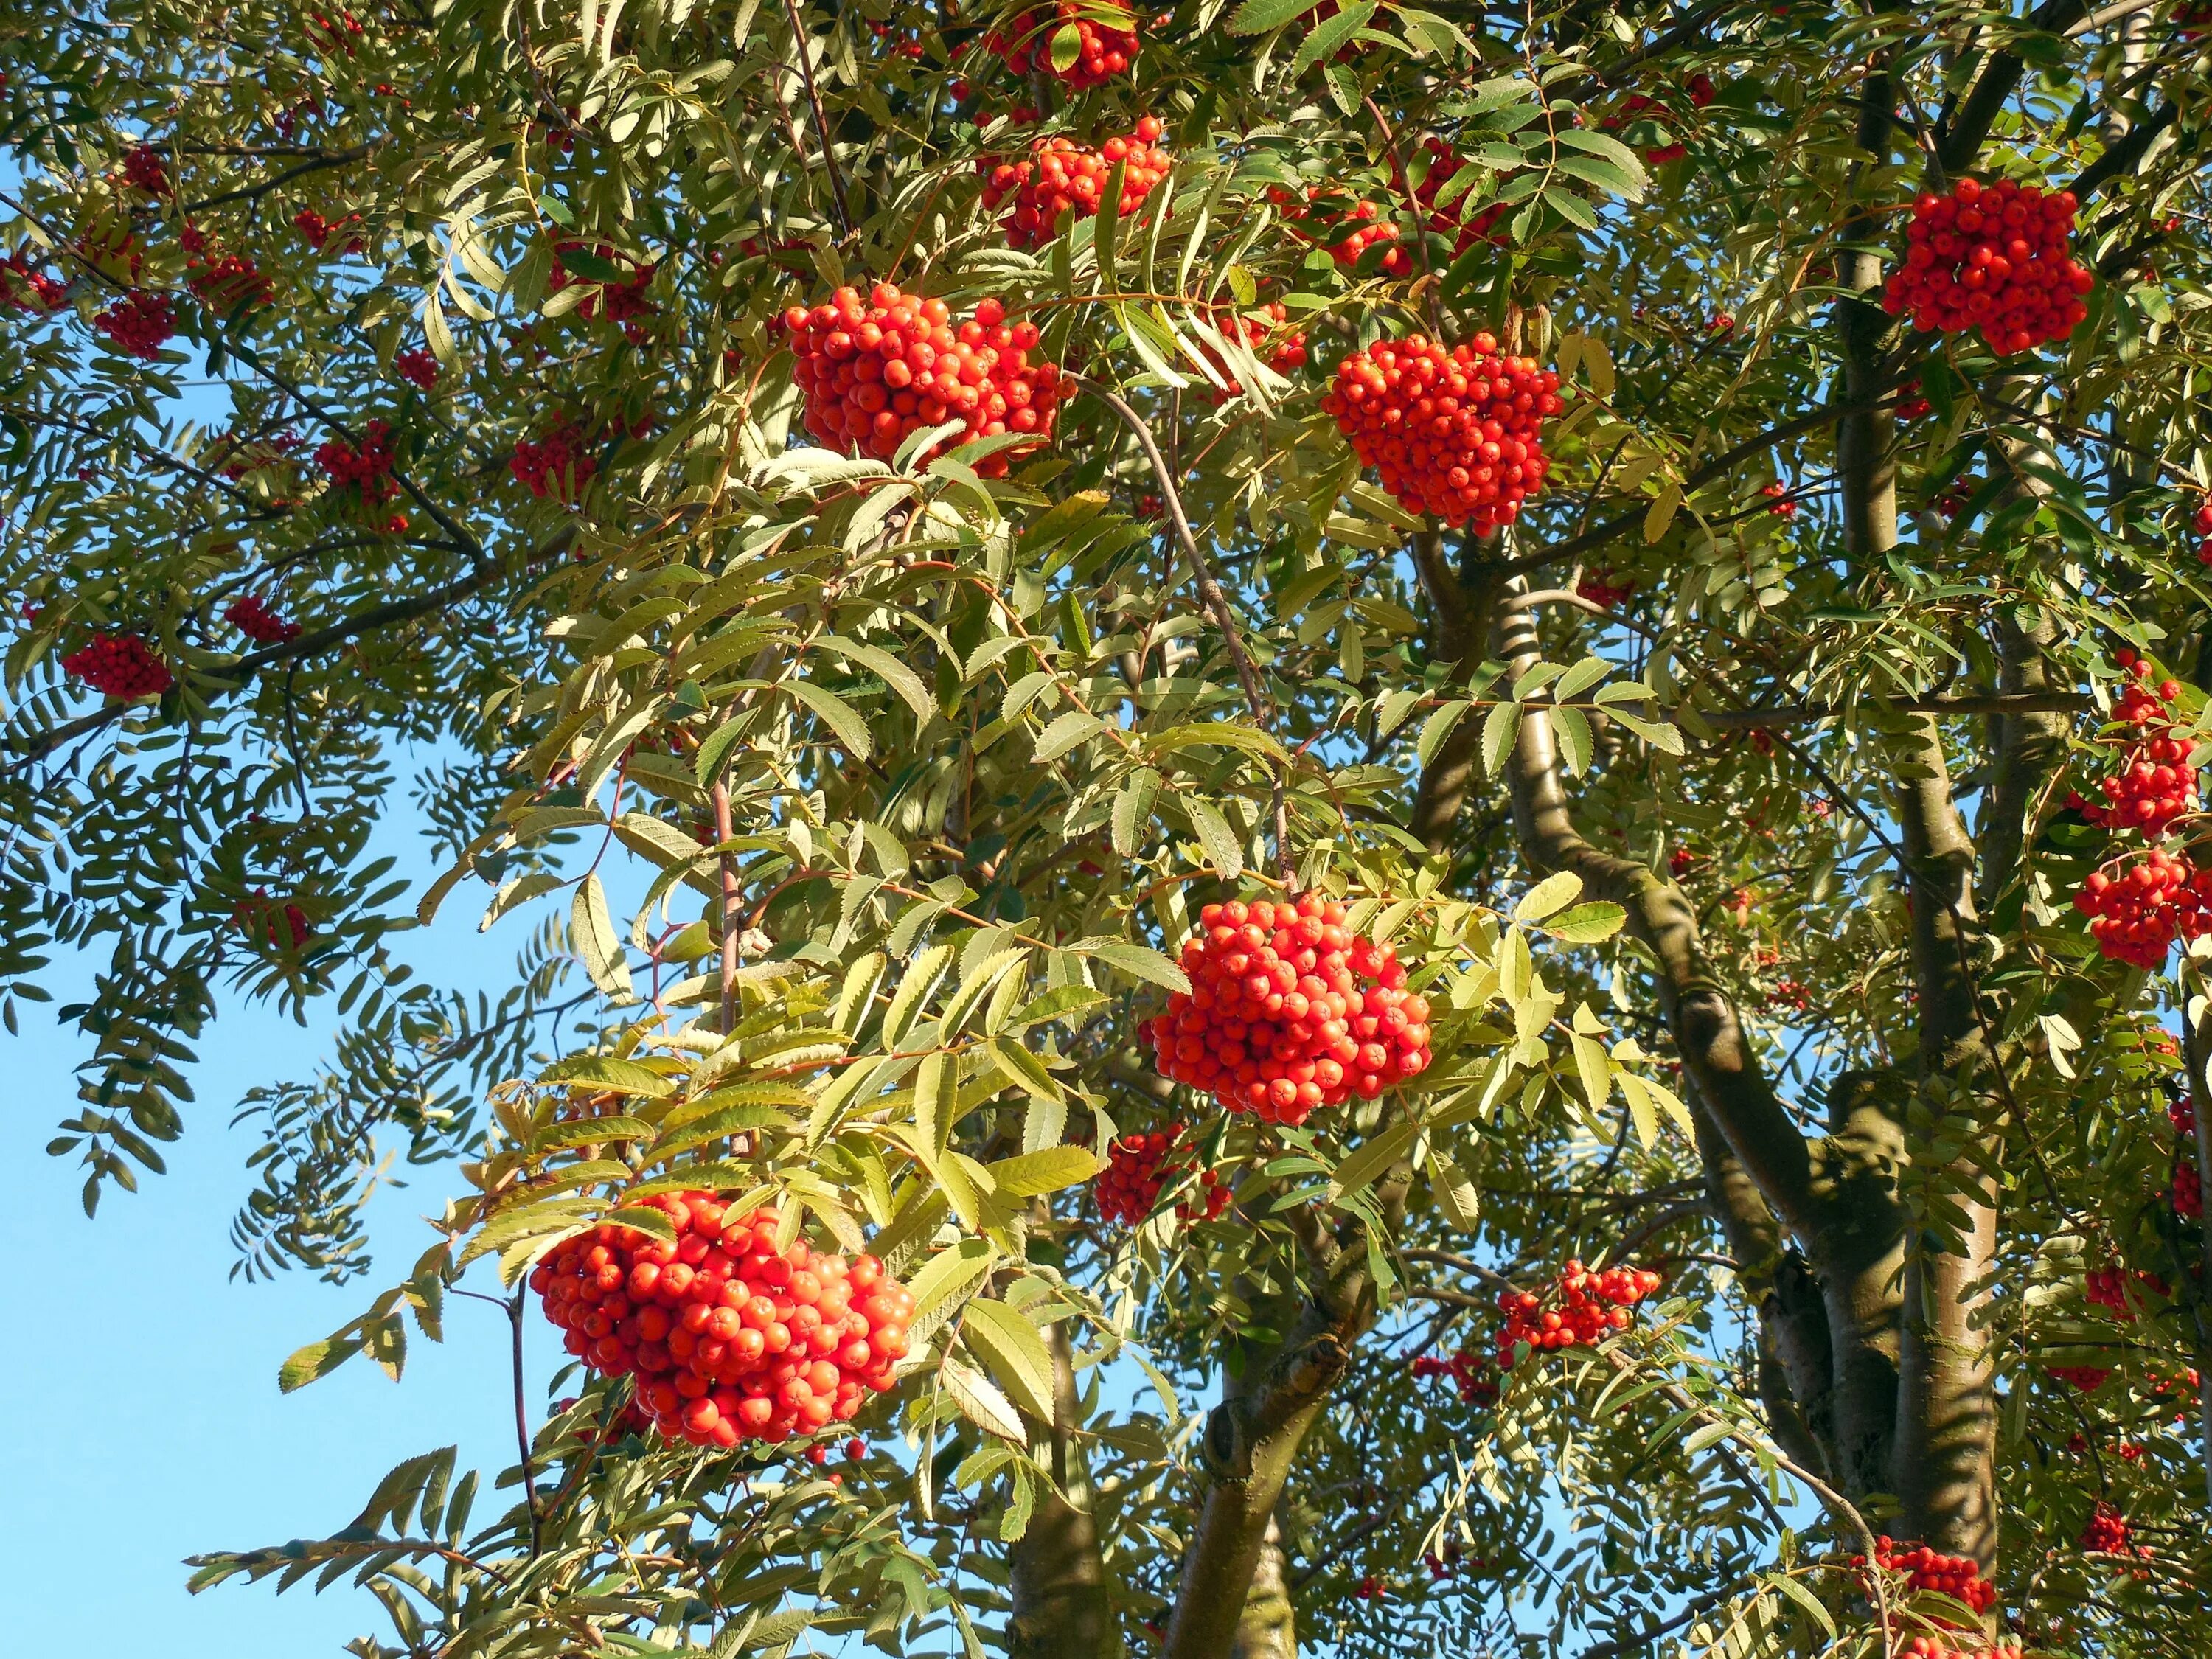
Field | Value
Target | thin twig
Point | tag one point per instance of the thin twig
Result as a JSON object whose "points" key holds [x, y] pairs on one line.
{"points": [[799, 38]]}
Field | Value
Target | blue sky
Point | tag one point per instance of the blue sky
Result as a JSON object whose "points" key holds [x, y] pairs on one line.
{"points": [[141, 1383]]}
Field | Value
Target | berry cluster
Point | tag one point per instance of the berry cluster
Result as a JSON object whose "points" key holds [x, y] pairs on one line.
{"points": [[1588, 1307], [1605, 588], [1455, 433], [418, 367], [119, 666], [1954, 1575], [144, 169], [1346, 229], [285, 926], [317, 231], [250, 616], [1102, 51], [22, 287], [2136, 916], [2187, 1193], [1137, 1166], [1930, 1647], [1995, 259], [137, 323], [1698, 88], [556, 463], [1911, 406], [1468, 1373], [729, 1338], [2110, 1287], [2155, 784], [1061, 176], [366, 466], [1453, 219], [2087, 1378], [1778, 495], [873, 371], [2108, 1532], [1288, 352], [617, 297], [1277, 1022]]}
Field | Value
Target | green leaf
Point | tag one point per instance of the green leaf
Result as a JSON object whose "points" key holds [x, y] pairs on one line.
{"points": [[834, 711], [1066, 733], [1048, 1170], [1132, 810], [1498, 729], [980, 1401], [607, 1073], [316, 1361], [1258, 16], [1323, 39], [1223, 848], [1586, 924], [591, 932], [945, 1274], [1548, 895], [896, 674], [1139, 961], [1439, 726], [1014, 1353], [1360, 1170], [915, 986]]}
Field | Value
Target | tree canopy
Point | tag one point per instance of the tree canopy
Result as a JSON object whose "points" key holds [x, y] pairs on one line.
{"points": [[1333, 824]]}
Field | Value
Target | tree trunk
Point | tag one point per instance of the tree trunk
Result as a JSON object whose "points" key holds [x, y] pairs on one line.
{"points": [[1061, 1609], [1268, 1629]]}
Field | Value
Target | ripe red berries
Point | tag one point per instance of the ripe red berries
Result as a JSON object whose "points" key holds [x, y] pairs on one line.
{"points": [[1452, 433], [556, 463], [729, 1337], [1288, 352], [874, 373], [119, 666], [2087, 1378], [144, 169], [1995, 259], [366, 467], [250, 616], [1346, 230], [2114, 1288], [1277, 1021], [1035, 37], [1605, 589], [1061, 176], [137, 323], [418, 367], [1954, 1575], [24, 288], [1584, 1308], [2108, 1532], [2136, 916], [1137, 1166], [2155, 784], [1468, 1372]]}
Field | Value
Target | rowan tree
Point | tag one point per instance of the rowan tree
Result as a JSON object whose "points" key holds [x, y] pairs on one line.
{"points": [[1337, 823]]}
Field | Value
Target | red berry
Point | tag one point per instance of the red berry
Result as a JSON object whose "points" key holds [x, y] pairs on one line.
{"points": [[119, 666], [1995, 258]]}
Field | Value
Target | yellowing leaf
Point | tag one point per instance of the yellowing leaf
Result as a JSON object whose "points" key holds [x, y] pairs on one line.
{"points": [[1014, 1353]]}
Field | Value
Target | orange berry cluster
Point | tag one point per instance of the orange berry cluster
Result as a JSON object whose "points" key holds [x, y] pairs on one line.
{"points": [[1455, 433], [1995, 259], [1930, 1647], [1061, 176], [224, 280], [119, 666], [137, 323], [1289, 354], [250, 616], [729, 1338], [1954, 1575], [2136, 916], [2200, 522], [418, 367], [875, 372], [1588, 1307], [2108, 1532], [2155, 784], [1346, 230], [556, 463], [1102, 50], [1277, 1022], [1453, 219], [1137, 1166], [317, 231]]}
